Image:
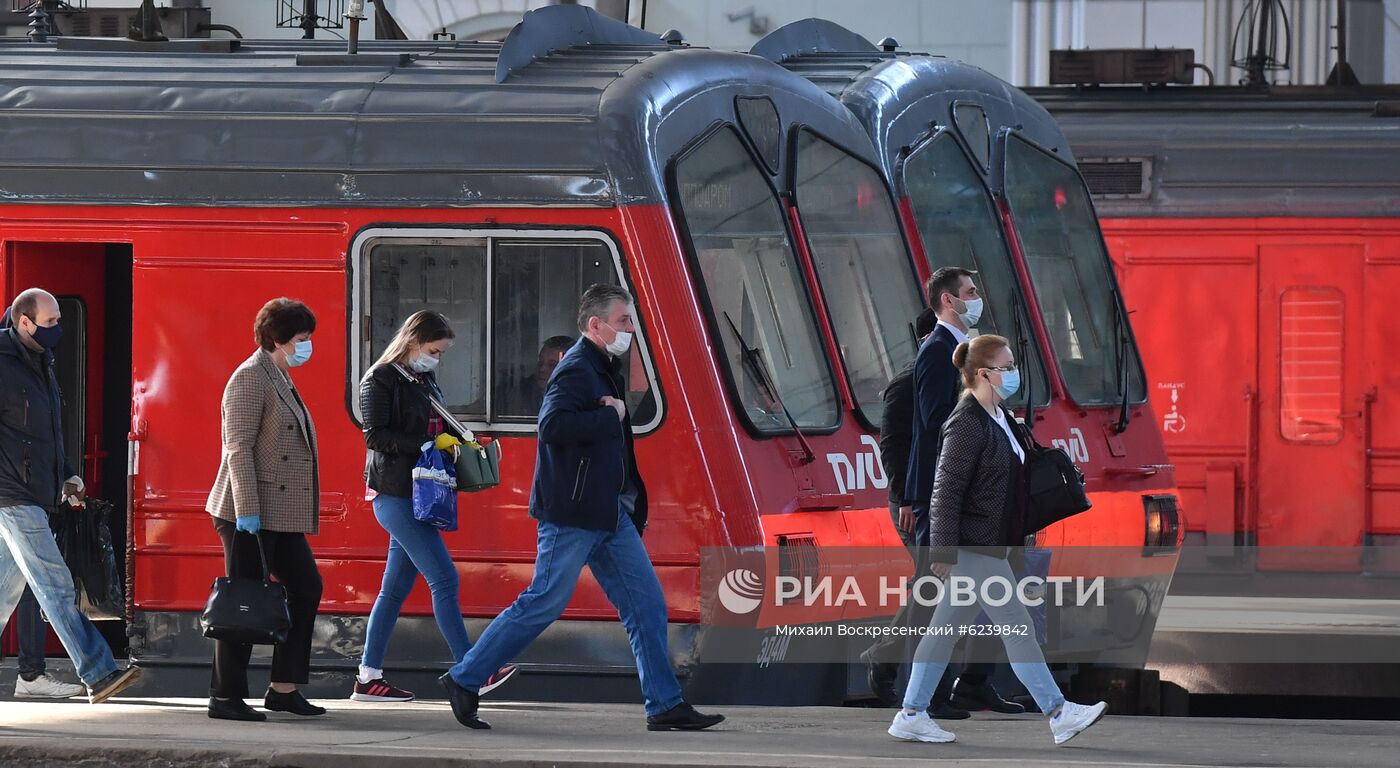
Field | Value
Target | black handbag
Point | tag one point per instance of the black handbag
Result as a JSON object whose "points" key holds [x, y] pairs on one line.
{"points": [[243, 610], [1054, 485]]}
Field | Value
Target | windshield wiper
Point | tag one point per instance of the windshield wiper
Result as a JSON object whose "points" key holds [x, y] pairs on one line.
{"points": [[1121, 316], [1018, 309], [753, 363]]}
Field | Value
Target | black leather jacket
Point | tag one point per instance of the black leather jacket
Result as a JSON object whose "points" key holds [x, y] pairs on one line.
{"points": [[394, 413]]}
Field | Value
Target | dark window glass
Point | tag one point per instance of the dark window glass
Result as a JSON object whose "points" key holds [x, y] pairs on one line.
{"points": [[751, 278], [959, 227], [1071, 273], [70, 367], [871, 291], [972, 124], [759, 119]]}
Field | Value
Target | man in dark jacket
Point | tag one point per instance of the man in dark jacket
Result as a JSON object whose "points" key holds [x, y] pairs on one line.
{"points": [[592, 508], [34, 472]]}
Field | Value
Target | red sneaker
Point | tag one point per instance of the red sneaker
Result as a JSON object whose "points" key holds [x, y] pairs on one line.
{"points": [[497, 680], [379, 690]]}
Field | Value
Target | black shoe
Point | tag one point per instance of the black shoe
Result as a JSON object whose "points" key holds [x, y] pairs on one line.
{"points": [[946, 711], [881, 678], [113, 684], [464, 704], [234, 709], [682, 717], [984, 696], [292, 702]]}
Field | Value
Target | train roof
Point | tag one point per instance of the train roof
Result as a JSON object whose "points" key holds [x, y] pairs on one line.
{"points": [[1233, 151], [572, 108], [900, 96]]}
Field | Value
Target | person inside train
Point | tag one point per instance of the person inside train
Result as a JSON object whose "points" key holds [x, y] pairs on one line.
{"points": [[958, 305], [976, 514], [528, 394], [396, 408], [591, 507], [35, 474], [265, 502]]}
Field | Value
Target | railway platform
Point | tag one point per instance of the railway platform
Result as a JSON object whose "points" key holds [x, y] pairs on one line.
{"points": [[174, 733]]}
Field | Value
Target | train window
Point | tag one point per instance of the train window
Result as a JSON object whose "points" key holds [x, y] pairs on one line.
{"points": [[519, 290], [972, 124], [958, 225], [1310, 355], [759, 119], [752, 285], [1073, 279], [70, 367], [871, 291]]}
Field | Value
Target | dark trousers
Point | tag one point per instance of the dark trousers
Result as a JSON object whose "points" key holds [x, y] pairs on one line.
{"points": [[293, 566], [33, 636]]}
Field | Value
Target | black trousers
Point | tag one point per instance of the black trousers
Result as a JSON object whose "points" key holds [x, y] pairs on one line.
{"points": [[293, 566]]}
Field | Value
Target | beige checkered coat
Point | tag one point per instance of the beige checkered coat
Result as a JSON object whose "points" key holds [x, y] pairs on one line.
{"points": [[268, 467]]}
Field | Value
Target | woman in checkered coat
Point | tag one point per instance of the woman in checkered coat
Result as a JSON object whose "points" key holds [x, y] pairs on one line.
{"points": [[267, 494]]}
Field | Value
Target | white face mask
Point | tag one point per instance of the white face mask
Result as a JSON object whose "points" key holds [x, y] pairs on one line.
{"points": [[973, 312], [620, 343], [424, 363]]}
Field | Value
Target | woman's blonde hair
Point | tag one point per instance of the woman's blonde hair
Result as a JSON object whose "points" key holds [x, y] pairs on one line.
{"points": [[422, 327], [971, 356]]}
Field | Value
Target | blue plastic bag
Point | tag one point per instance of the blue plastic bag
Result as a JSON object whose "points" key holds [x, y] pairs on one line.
{"points": [[435, 489]]}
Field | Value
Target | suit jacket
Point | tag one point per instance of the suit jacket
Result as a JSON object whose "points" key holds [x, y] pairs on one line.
{"points": [[585, 458], [897, 431], [268, 467], [976, 498], [935, 393]]}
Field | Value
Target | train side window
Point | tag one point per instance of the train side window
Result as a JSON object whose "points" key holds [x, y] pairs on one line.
{"points": [[1310, 355], [870, 288], [1073, 279], [958, 225], [749, 277], [512, 299], [971, 120], [448, 277]]}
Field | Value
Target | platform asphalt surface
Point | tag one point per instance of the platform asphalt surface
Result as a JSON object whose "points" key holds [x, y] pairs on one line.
{"points": [[173, 733]]}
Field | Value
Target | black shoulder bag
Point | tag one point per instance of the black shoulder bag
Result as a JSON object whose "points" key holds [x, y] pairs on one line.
{"points": [[1054, 485], [243, 610]]}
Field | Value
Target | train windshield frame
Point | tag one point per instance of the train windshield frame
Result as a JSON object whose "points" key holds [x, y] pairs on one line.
{"points": [[1080, 304], [864, 273], [953, 209], [750, 282]]}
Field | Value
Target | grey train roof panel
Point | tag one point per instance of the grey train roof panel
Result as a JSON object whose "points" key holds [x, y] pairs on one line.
{"points": [[588, 124], [900, 96], [1218, 152]]}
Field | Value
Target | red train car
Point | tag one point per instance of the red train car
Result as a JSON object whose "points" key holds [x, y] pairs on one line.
{"points": [[1257, 235]]}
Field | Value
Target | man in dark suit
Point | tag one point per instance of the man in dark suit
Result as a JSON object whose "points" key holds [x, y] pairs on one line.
{"points": [[591, 506]]}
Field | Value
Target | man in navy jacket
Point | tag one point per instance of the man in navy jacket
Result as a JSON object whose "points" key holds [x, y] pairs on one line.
{"points": [[591, 506]]}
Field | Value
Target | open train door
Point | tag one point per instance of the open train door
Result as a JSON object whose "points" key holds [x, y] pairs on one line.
{"points": [[92, 282], [1312, 463]]}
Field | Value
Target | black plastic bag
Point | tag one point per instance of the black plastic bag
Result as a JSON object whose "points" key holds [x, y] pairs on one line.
{"points": [[85, 539]]}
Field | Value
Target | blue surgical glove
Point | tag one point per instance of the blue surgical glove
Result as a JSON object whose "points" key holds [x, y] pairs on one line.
{"points": [[249, 524]]}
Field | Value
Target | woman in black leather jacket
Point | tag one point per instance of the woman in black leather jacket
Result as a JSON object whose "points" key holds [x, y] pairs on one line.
{"points": [[399, 421]]}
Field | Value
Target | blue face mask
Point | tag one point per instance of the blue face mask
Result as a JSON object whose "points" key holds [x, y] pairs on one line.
{"points": [[1010, 383], [301, 355]]}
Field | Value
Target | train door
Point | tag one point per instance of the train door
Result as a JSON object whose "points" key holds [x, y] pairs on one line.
{"points": [[92, 282], [1311, 452]]}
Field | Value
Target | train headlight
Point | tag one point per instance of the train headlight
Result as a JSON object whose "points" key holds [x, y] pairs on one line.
{"points": [[1162, 521]]}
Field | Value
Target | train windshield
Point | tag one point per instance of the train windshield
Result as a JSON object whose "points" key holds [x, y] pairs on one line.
{"points": [[871, 291], [1070, 269], [752, 286], [958, 225]]}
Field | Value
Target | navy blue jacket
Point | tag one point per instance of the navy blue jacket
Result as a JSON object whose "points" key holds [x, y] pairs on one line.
{"points": [[33, 464], [935, 395], [585, 457]]}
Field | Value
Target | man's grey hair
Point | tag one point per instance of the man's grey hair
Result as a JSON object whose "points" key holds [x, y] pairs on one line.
{"points": [[596, 301]]}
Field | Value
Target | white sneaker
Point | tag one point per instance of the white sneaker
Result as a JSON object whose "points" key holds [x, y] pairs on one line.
{"points": [[45, 687], [918, 727], [1073, 719]]}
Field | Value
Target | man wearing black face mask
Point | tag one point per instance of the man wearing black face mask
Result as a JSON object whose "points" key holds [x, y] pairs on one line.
{"points": [[33, 466]]}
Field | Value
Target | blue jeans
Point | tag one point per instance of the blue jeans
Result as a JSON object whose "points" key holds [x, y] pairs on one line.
{"points": [[32, 635], [931, 657], [414, 547], [620, 564], [30, 555]]}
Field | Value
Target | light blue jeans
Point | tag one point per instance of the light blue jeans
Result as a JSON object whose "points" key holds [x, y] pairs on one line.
{"points": [[414, 547], [936, 647], [30, 555], [623, 569]]}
